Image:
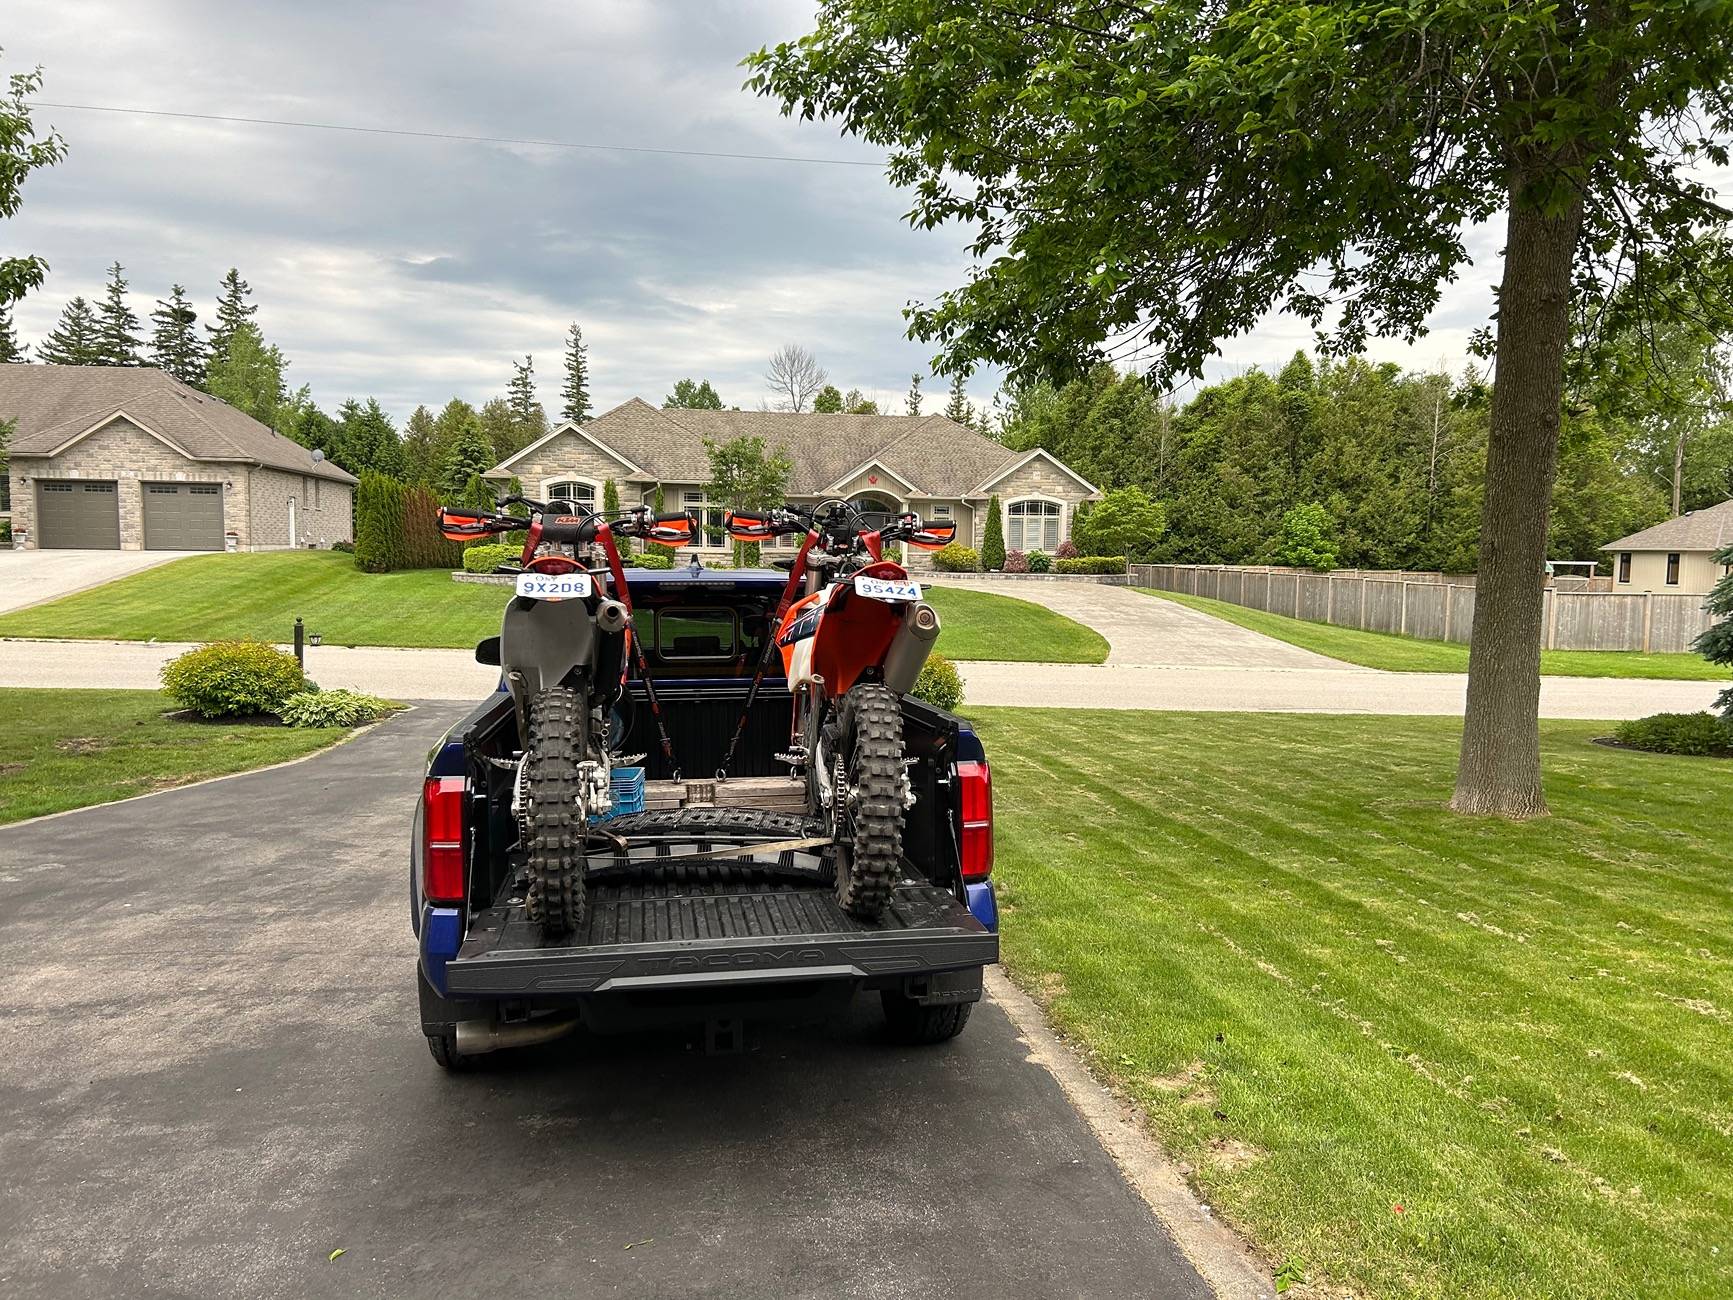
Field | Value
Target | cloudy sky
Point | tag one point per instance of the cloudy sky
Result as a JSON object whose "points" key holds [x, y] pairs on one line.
{"points": [[416, 269]]}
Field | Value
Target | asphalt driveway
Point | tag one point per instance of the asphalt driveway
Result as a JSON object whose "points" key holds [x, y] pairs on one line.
{"points": [[211, 1077], [31, 577]]}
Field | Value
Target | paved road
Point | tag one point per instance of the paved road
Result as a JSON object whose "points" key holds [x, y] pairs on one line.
{"points": [[211, 1077], [31, 577], [1142, 630], [1342, 688]]}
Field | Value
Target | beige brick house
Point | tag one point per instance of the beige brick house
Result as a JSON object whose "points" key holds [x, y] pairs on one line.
{"points": [[934, 466], [129, 458], [1677, 555]]}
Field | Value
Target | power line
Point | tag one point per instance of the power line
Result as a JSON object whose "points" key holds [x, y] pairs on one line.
{"points": [[447, 135]]}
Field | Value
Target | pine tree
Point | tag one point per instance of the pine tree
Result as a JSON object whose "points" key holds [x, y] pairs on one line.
{"points": [[73, 340], [419, 438], [175, 346], [469, 454], [233, 310], [993, 540], [249, 376], [575, 396], [116, 325], [958, 408], [9, 348], [912, 403], [521, 391]]}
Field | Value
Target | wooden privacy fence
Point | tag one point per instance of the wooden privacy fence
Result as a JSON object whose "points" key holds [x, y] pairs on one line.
{"points": [[1437, 607]]}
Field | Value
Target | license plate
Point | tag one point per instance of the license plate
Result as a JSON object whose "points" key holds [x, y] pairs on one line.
{"points": [[564, 586], [887, 588]]}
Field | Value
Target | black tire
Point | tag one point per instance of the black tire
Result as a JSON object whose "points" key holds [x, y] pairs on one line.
{"points": [[681, 827], [444, 1049], [869, 853], [910, 1022], [557, 744]]}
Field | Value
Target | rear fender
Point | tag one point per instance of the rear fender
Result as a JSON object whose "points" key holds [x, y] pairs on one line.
{"points": [[541, 641]]}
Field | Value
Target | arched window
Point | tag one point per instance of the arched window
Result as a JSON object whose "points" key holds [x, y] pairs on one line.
{"points": [[1032, 526], [877, 510], [573, 490]]}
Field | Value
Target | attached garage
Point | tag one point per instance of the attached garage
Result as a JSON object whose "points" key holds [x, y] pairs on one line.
{"points": [[183, 516], [78, 514]]}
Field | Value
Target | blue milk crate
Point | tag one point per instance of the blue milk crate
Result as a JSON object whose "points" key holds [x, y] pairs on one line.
{"points": [[627, 791]]}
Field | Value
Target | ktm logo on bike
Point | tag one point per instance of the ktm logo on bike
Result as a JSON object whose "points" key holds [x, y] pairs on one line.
{"points": [[567, 519]]}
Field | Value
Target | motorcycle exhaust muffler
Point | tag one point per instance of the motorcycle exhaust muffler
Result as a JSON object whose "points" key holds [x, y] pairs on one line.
{"points": [[612, 616], [477, 1037], [910, 646]]}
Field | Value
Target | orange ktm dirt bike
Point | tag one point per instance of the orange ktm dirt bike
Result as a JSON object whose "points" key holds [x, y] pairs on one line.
{"points": [[853, 633], [564, 646]]}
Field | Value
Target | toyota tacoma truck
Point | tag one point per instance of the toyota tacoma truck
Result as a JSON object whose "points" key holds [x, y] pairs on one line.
{"points": [[711, 906]]}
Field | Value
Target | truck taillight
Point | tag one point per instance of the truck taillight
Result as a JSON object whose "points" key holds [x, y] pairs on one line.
{"points": [[977, 789], [442, 839]]}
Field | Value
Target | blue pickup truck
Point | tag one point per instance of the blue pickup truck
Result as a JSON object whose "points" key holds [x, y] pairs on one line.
{"points": [[690, 921]]}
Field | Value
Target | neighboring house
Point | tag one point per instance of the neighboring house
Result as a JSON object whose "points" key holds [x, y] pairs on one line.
{"points": [[936, 467], [129, 458], [1676, 556]]}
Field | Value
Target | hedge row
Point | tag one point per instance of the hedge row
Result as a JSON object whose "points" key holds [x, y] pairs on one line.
{"points": [[1090, 564], [397, 527]]}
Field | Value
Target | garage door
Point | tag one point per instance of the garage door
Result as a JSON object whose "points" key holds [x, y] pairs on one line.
{"points": [[79, 515], [183, 516]]}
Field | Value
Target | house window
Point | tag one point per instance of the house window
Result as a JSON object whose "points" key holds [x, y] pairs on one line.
{"points": [[708, 516], [941, 510], [5, 491], [1673, 569], [571, 489], [876, 510], [1624, 566], [315, 494], [1032, 526]]}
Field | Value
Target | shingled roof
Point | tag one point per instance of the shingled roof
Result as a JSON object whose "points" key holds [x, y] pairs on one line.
{"points": [[1708, 529], [53, 405], [935, 456]]}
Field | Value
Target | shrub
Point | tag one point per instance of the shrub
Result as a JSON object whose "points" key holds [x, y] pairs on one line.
{"points": [[655, 557], [488, 556], [956, 558], [233, 679], [424, 546], [379, 505], [993, 541], [1067, 550], [347, 548], [1040, 561], [939, 683], [1015, 562], [332, 709], [1124, 522], [1698, 734], [1305, 539], [1091, 564]]}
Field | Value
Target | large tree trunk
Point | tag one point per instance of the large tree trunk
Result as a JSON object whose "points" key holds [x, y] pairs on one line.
{"points": [[1499, 771]]}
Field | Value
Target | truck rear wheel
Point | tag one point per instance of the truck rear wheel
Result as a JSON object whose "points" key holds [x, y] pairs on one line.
{"points": [[869, 797], [910, 1022], [554, 817], [444, 1049]]}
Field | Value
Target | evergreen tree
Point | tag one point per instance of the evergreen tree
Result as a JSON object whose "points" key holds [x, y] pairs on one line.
{"points": [[175, 346], [453, 418], [521, 391], [9, 347], [233, 311], [469, 454], [958, 408], [73, 340], [912, 403], [1716, 644], [367, 440], [575, 395], [691, 395], [610, 499], [419, 439], [116, 326], [993, 540], [249, 376]]}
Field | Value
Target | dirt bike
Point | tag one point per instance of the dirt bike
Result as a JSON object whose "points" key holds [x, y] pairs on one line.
{"points": [[853, 634], [565, 647]]}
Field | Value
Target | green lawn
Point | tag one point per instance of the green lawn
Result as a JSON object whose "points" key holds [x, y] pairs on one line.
{"points": [[1418, 1054], [1406, 654], [69, 749], [207, 597]]}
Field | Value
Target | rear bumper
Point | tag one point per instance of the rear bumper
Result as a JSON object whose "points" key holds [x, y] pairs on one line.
{"points": [[737, 964]]}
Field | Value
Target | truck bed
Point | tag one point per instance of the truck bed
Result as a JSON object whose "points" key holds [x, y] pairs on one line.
{"points": [[679, 934]]}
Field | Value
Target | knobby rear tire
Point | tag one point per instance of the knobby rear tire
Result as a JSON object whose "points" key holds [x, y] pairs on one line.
{"points": [[869, 861], [558, 741]]}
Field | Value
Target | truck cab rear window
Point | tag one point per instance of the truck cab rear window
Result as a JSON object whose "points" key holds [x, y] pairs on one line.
{"points": [[697, 634]]}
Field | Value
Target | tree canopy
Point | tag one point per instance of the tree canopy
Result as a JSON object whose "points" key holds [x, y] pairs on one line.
{"points": [[692, 395], [22, 150], [175, 345], [249, 375], [73, 341]]}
